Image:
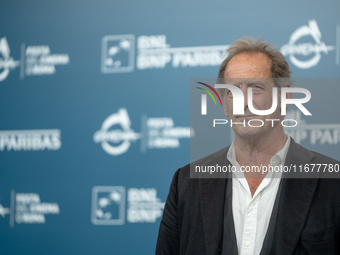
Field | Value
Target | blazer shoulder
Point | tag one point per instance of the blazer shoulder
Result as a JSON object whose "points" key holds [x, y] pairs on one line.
{"points": [[324, 159], [298, 153], [184, 172]]}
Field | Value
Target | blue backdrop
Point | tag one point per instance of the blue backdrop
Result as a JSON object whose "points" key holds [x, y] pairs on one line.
{"points": [[94, 99]]}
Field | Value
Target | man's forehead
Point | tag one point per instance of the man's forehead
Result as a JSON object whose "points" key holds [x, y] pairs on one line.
{"points": [[246, 81], [249, 65], [250, 72]]}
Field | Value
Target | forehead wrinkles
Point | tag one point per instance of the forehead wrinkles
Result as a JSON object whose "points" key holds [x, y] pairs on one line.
{"points": [[250, 65], [252, 72], [247, 81]]}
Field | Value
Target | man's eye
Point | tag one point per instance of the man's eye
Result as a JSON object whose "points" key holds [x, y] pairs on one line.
{"points": [[257, 88]]}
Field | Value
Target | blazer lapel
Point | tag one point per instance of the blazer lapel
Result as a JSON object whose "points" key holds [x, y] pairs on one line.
{"points": [[212, 196], [229, 237], [291, 207]]}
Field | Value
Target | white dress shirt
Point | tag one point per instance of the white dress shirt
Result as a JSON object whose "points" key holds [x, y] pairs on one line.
{"points": [[252, 213]]}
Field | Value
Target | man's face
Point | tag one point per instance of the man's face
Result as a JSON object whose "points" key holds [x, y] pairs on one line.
{"points": [[251, 70]]}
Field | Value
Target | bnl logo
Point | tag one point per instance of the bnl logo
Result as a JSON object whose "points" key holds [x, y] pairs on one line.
{"points": [[118, 53], [108, 205]]}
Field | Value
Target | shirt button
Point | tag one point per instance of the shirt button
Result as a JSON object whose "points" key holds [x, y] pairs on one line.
{"points": [[248, 244], [250, 208]]}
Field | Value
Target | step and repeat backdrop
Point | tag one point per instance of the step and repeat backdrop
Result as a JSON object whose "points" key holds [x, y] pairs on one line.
{"points": [[95, 108]]}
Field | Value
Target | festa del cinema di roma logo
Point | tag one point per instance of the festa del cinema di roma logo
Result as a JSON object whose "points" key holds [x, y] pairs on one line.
{"points": [[116, 134], [124, 136], [238, 104], [35, 60], [293, 48], [7, 63]]}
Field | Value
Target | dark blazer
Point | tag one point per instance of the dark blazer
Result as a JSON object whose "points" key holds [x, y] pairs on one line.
{"points": [[305, 218]]}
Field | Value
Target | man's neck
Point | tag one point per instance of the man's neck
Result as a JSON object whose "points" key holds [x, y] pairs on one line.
{"points": [[258, 151]]}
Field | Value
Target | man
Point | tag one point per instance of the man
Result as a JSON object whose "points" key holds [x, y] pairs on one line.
{"points": [[253, 213]]}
